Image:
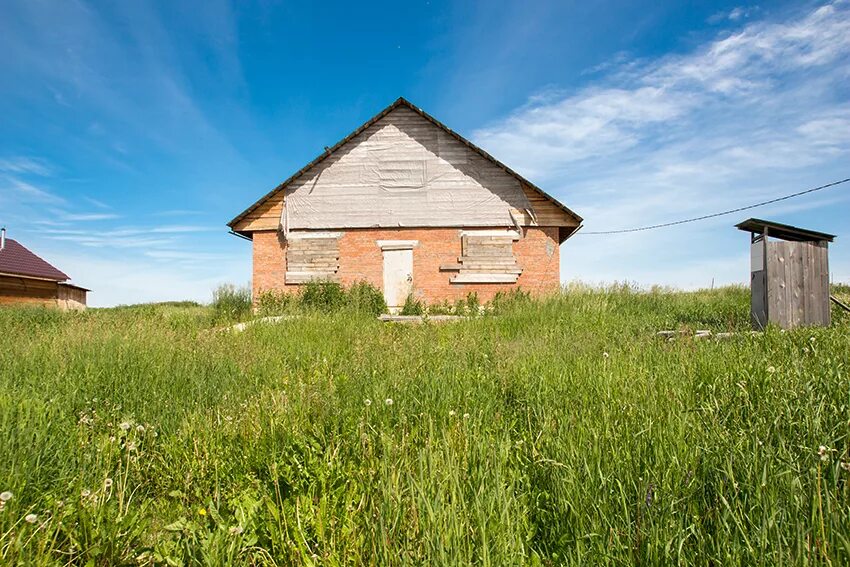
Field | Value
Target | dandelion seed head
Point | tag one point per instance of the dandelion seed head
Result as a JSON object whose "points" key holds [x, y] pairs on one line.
{"points": [[771, 369], [235, 530], [605, 355], [107, 483], [388, 401], [124, 425], [140, 428], [6, 496], [452, 413], [466, 416], [85, 493], [823, 453], [30, 518], [367, 402], [845, 465]]}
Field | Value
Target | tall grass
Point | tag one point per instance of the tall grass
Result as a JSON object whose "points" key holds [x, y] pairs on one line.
{"points": [[560, 431]]}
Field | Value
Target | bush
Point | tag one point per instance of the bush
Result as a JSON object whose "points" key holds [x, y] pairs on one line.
{"points": [[366, 298], [275, 303], [231, 302], [323, 295], [507, 300], [412, 306]]}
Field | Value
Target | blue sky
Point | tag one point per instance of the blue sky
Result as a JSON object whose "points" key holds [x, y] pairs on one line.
{"points": [[132, 132]]}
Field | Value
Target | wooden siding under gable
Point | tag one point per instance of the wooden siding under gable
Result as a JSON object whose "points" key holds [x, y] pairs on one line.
{"points": [[452, 169], [264, 217], [403, 171]]}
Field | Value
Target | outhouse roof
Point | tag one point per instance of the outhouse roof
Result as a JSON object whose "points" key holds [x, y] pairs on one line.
{"points": [[783, 231]]}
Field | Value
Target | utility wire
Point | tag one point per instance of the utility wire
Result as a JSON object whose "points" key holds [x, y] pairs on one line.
{"points": [[729, 212]]}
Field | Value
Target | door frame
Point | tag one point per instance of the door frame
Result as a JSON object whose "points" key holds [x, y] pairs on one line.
{"points": [[395, 245]]}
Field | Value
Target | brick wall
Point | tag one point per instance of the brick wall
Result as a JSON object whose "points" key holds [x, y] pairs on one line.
{"points": [[361, 258]]}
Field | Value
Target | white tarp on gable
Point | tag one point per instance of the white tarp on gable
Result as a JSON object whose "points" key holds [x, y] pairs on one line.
{"points": [[403, 171]]}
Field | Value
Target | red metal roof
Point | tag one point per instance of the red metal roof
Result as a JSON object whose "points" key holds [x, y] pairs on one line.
{"points": [[18, 260]]}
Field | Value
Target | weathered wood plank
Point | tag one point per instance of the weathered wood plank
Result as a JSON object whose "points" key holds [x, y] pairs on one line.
{"points": [[466, 277]]}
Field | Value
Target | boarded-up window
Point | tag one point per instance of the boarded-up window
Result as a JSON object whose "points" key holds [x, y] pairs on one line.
{"points": [[488, 257], [312, 256]]}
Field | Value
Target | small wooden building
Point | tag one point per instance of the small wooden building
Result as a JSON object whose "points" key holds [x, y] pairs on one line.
{"points": [[789, 276], [26, 279]]}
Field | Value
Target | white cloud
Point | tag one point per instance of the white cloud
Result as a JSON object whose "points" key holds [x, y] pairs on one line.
{"points": [[25, 165], [83, 217], [23, 191], [750, 115]]}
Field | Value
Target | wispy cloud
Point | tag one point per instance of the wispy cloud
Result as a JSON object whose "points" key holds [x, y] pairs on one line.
{"points": [[85, 217], [25, 165], [752, 114], [28, 192]]}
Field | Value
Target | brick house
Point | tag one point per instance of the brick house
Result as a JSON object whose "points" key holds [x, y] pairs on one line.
{"points": [[406, 204], [26, 279]]}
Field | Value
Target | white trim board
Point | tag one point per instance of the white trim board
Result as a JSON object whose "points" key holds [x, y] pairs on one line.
{"points": [[397, 244], [512, 233], [301, 235], [484, 278]]}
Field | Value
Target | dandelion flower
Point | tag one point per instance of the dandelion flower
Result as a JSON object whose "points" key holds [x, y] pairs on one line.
{"points": [[823, 453], [30, 518], [107, 483], [5, 496], [202, 512], [125, 425], [367, 402], [771, 369], [388, 401]]}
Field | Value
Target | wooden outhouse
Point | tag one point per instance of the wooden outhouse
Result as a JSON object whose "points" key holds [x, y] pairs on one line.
{"points": [[789, 274]]}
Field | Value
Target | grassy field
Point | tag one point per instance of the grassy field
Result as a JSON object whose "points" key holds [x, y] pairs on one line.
{"points": [[553, 432]]}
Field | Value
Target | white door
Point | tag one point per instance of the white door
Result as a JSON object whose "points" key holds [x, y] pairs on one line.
{"points": [[398, 277]]}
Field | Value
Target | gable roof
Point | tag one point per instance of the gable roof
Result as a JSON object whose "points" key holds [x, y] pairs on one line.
{"points": [[402, 102], [16, 259]]}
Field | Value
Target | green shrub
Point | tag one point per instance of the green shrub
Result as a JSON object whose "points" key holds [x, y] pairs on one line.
{"points": [[231, 302], [412, 306], [508, 300], [366, 298], [323, 295], [473, 305], [275, 303]]}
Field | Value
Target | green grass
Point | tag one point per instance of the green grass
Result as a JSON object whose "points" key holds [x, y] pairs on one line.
{"points": [[557, 432]]}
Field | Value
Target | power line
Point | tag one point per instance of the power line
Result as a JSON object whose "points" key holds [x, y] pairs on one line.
{"points": [[729, 212]]}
